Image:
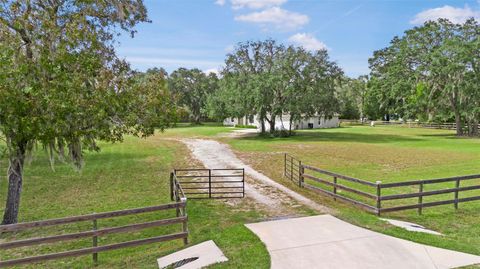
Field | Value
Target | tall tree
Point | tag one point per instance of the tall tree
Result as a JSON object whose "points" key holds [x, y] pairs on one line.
{"points": [[62, 85], [352, 96], [192, 88], [428, 72], [270, 80], [249, 71]]}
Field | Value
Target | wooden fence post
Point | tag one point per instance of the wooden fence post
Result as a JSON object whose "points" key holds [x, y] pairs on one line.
{"points": [[420, 199], [209, 183], [301, 171], [285, 165], [171, 186], [457, 185], [95, 243], [379, 197], [335, 188]]}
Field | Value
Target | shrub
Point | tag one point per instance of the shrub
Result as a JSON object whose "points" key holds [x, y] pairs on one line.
{"points": [[246, 126]]}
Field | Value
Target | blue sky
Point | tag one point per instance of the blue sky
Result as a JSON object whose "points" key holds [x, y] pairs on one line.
{"points": [[199, 33]]}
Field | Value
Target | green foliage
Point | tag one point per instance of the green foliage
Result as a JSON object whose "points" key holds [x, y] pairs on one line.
{"points": [[246, 126], [351, 95], [432, 73], [62, 85], [283, 133], [267, 79], [192, 89]]}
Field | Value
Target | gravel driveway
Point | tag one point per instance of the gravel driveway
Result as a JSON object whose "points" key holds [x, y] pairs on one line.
{"points": [[213, 154]]}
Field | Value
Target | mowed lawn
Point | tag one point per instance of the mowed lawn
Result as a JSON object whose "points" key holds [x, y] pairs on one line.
{"points": [[126, 175], [387, 154]]}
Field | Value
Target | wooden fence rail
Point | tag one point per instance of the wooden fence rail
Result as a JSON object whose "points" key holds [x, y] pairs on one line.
{"points": [[411, 124], [370, 196], [94, 233]]}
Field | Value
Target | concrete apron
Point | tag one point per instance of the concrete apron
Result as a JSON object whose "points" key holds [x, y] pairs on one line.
{"points": [[327, 242]]}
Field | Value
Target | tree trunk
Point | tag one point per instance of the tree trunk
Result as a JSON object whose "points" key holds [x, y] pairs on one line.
{"points": [[197, 119], [473, 127], [290, 125], [458, 123], [262, 122], [458, 117], [15, 178], [272, 124]]}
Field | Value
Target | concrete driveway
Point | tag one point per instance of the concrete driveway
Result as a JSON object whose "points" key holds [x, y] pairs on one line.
{"points": [[327, 242]]}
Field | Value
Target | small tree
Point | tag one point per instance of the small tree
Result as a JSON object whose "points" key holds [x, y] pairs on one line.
{"points": [[61, 84]]}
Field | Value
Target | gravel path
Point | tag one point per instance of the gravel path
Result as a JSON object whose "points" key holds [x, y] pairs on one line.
{"points": [[260, 187]]}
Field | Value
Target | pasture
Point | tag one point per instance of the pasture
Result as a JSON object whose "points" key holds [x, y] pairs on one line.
{"points": [[135, 174]]}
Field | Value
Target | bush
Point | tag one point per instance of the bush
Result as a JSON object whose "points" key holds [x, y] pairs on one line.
{"points": [[282, 133], [246, 126]]}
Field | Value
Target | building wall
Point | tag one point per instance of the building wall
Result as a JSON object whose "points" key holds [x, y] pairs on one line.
{"points": [[318, 122], [283, 122], [230, 121]]}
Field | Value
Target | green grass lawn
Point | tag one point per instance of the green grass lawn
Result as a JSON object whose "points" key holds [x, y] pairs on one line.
{"points": [[127, 175], [388, 154]]}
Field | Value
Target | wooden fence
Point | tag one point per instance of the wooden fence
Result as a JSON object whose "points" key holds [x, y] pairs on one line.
{"points": [[420, 193], [210, 183], [410, 124], [373, 197], [310, 175], [95, 233]]}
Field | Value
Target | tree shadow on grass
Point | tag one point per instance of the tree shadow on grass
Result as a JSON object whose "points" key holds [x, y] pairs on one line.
{"points": [[319, 136], [450, 136]]}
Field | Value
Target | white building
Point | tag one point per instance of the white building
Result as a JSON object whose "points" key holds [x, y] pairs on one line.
{"points": [[283, 122]]}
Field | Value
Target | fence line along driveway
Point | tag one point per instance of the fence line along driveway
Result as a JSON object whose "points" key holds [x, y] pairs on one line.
{"points": [[327, 242], [372, 197]]}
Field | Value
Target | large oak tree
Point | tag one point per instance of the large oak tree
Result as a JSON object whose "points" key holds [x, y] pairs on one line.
{"points": [[268, 79], [62, 85], [431, 72]]}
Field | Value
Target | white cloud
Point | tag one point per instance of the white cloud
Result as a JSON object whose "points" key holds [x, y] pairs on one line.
{"points": [[220, 2], [256, 4], [276, 17], [212, 70], [307, 41], [454, 14]]}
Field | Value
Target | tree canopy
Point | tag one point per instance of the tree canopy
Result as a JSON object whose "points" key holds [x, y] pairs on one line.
{"points": [[268, 79], [192, 88], [62, 85], [431, 73]]}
